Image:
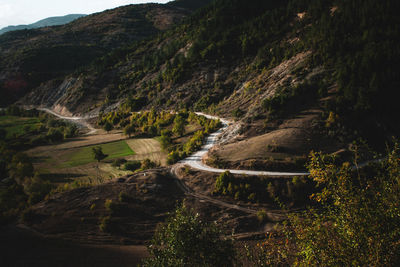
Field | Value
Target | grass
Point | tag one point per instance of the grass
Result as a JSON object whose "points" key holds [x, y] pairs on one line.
{"points": [[15, 125], [84, 155]]}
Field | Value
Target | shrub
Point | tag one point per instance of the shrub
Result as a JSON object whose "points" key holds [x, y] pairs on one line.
{"points": [[37, 189], [124, 197], [148, 164], [70, 131], [105, 225], [132, 165], [55, 135], [118, 162], [108, 204], [237, 113], [107, 126], [173, 157], [185, 240], [357, 222], [262, 216], [222, 182]]}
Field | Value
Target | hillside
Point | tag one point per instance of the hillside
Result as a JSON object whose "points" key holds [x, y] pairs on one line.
{"points": [[52, 21], [29, 58], [233, 112], [262, 63]]}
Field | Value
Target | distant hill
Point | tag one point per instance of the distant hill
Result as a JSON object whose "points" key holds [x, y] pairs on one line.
{"points": [[52, 21]]}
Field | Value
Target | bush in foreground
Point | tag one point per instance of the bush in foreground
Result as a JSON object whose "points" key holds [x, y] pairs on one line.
{"points": [[185, 240], [357, 222]]}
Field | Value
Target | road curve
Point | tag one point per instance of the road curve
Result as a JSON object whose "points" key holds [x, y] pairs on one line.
{"points": [[196, 160], [82, 121]]}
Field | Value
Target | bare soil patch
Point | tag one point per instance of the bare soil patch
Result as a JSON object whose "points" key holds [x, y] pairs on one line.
{"points": [[284, 147]]}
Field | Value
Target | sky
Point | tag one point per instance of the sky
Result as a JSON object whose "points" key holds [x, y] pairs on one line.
{"points": [[17, 12]]}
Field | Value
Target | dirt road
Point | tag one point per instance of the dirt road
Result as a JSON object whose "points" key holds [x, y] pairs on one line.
{"points": [[196, 160], [81, 121]]}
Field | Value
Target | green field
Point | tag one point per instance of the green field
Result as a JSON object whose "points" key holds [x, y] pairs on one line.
{"points": [[84, 155], [15, 125]]}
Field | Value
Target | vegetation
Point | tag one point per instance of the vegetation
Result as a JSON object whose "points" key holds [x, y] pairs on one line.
{"points": [[185, 240], [20, 185], [356, 221], [168, 126], [264, 190], [132, 165], [98, 154], [85, 155]]}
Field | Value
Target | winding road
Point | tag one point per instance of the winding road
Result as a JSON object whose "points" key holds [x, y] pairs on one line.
{"points": [[81, 121], [196, 160]]}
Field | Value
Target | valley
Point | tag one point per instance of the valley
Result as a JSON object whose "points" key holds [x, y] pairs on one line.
{"points": [[204, 133]]}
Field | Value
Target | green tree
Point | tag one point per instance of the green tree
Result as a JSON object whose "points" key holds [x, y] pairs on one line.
{"points": [[222, 182], [70, 131], [55, 135], [3, 134], [98, 153], [185, 240], [165, 141], [37, 189], [357, 224], [107, 126], [179, 125], [129, 130]]}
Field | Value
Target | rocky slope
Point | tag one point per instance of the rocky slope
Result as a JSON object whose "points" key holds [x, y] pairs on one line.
{"points": [[263, 63], [29, 58]]}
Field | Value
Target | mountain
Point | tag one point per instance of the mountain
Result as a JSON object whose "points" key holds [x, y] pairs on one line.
{"points": [[262, 62], [29, 58], [300, 82], [52, 21]]}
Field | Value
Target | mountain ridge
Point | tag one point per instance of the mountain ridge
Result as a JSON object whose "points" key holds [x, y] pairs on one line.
{"points": [[261, 62], [50, 21], [31, 57]]}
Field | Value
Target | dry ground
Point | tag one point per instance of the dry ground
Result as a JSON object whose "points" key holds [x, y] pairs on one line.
{"points": [[278, 149]]}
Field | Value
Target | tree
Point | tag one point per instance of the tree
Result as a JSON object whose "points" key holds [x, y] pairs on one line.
{"points": [[165, 141], [129, 130], [98, 153], [107, 126], [357, 222], [185, 240], [3, 134], [179, 125], [70, 131], [55, 135], [222, 182], [37, 189]]}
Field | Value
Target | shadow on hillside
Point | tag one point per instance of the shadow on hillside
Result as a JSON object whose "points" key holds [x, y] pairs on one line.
{"points": [[21, 247], [60, 177]]}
